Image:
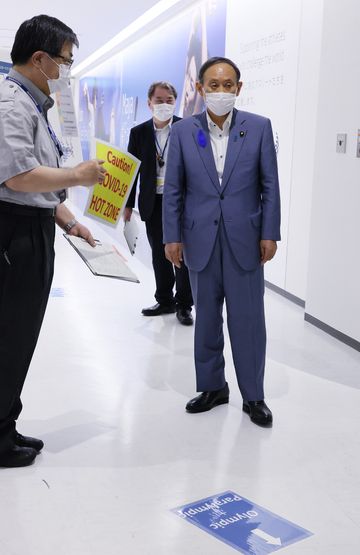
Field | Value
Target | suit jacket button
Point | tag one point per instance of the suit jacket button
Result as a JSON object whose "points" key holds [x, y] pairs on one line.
{"points": [[222, 197], [216, 222]]}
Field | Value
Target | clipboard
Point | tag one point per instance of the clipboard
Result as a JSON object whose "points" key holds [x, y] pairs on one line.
{"points": [[131, 234], [103, 259]]}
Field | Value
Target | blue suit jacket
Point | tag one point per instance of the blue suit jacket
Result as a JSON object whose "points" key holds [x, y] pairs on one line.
{"points": [[248, 200]]}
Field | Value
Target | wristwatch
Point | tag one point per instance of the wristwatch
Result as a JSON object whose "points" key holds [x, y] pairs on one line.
{"points": [[70, 225]]}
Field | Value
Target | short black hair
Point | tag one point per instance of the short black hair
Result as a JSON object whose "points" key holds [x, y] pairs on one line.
{"points": [[41, 32], [218, 60], [163, 85]]}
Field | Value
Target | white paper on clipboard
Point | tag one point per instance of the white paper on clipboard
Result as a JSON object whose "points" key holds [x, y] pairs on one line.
{"points": [[103, 259]]}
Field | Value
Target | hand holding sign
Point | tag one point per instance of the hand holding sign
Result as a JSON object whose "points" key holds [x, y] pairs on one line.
{"points": [[90, 172]]}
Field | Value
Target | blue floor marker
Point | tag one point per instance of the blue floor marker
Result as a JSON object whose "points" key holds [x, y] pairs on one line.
{"points": [[244, 525]]}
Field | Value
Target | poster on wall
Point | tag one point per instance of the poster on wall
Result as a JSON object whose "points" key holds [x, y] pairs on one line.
{"points": [[113, 98], [4, 68], [64, 122], [262, 37]]}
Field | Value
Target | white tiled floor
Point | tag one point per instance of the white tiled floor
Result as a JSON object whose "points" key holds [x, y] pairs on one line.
{"points": [[106, 392]]}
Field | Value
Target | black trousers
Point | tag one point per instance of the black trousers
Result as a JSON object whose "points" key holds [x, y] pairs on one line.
{"points": [[166, 275], [26, 270]]}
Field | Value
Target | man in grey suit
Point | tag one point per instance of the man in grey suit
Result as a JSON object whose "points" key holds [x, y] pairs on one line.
{"points": [[222, 213]]}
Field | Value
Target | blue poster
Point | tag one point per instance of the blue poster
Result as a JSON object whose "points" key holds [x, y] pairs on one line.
{"points": [[242, 524], [5, 67], [113, 97]]}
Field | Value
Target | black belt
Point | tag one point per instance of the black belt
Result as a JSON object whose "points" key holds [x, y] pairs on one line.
{"points": [[25, 210]]}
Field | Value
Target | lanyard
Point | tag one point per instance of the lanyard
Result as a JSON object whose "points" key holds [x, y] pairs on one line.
{"points": [[160, 153], [54, 138]]}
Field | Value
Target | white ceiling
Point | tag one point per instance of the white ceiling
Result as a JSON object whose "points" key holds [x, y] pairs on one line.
{"points": [[94, 25]]}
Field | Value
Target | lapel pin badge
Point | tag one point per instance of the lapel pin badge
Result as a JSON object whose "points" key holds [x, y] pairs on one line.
{"points": [[242, 133], [201, 138]]}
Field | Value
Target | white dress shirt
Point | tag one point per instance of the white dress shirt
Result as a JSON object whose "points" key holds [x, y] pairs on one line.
{"points": [[219, 142], [161, 138]]}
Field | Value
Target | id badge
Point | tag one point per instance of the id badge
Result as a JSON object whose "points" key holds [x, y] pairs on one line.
{"points": [[160, 183]]}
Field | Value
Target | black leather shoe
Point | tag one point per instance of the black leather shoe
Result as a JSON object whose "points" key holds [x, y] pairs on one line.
{"points": [[23, 441], [259, 412], [184, 316], [158, 309], [17, 456], [208, 400]]}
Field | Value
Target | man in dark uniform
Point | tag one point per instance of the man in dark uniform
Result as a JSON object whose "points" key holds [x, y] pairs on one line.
{"points": [[149, 142]]}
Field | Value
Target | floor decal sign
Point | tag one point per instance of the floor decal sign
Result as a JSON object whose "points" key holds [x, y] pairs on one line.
{"points": [[242, 524]]}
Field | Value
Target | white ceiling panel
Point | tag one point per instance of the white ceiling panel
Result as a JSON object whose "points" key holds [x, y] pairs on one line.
{"points": [[94, 24]]}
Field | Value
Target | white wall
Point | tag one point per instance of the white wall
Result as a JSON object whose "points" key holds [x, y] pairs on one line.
{"points": [[5, 55], [303, 153], [317, 259], [262, 37], [291, 103], [333, 294]]}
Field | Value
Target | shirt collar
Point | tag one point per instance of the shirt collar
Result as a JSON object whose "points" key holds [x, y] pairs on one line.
{"points": [[167, 127], [44, 101], [226, 125]]}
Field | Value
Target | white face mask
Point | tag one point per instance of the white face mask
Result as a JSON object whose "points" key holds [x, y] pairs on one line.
{"points": [[57, 85], [220, 103], [163, 112], [62, 82]]}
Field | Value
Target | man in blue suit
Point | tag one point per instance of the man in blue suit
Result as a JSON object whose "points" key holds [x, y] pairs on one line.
{"points": [[221, 213]]}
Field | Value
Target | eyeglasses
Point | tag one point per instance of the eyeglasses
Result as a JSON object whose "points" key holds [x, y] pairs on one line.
{"points": [[67, 62]]}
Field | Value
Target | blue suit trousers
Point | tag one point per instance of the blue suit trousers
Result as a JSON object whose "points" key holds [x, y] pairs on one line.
{"points": [[243, 291]]}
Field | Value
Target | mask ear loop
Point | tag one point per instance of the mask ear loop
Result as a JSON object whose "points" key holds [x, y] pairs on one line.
{"points": [[52, 59], [43, 72]]}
